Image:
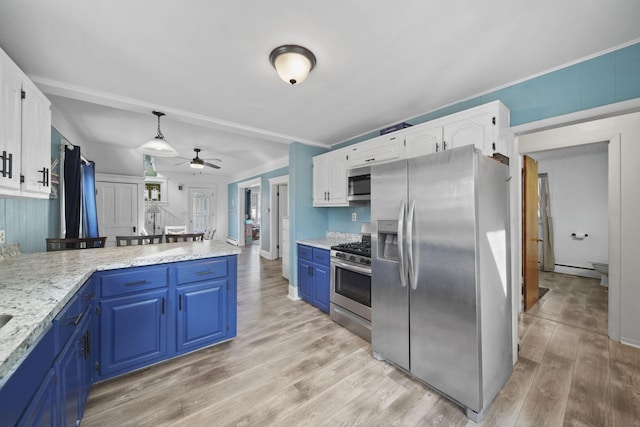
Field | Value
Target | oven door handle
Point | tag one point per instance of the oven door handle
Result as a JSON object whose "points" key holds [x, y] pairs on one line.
{"points": [[346, 266]]}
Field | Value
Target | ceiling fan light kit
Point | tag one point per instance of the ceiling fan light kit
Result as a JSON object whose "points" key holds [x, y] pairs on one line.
{"points": [[292, 62], [158, 146]]}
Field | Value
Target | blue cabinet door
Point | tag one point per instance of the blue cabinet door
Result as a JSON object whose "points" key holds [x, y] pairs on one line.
{"points": [[42, 411], [202, 314], [133, 331], [321, 287], [68, 370], [305, 271]]}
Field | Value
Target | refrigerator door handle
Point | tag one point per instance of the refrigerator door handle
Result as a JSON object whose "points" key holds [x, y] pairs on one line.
{"points": [[402, 266], [413, 274]]}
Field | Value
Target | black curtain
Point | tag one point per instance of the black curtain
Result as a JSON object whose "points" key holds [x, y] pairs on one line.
{"points": [[72, 191], [247, 203]]}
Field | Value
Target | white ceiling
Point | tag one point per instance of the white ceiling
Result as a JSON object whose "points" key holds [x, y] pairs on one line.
{"points": [[106, 65]]}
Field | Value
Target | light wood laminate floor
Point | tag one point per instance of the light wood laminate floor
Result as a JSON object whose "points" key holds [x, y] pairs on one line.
{"points": [[292, 366]]}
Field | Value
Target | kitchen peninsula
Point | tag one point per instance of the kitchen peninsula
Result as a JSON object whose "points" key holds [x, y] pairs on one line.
{"points": [[154, 297]]}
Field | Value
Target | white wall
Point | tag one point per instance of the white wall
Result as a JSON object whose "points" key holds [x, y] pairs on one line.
{"points": [[623, 132], [578, 189]]}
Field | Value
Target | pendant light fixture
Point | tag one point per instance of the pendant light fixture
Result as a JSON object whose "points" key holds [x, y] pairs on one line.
{"points": [[292, 62], [158, 146]]}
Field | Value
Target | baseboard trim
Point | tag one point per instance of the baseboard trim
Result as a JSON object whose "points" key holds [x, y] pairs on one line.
{"points": [[293, 293], [265, 254], [630, 342]]}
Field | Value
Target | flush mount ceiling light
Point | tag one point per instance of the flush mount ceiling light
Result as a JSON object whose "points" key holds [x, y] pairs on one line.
{"points": [[292, 62], [158, 146]]}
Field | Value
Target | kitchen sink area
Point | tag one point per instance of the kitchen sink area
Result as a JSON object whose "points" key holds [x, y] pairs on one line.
{"points": [[4, 319]]}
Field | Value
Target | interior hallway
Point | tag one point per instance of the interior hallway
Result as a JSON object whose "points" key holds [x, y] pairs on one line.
{"points": [[292, 366]]}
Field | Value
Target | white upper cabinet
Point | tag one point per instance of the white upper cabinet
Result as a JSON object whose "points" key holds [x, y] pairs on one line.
{"points": [[36, 143], [421, 140], [377, 150], [10, 127], [25, 134], [485, 126], [330, 179]]}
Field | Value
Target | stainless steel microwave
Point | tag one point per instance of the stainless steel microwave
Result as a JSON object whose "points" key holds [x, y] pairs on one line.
{"points": [[359, 184]]}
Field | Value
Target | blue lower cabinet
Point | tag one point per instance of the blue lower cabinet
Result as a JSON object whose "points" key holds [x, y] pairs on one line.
{"points": [[43, 409], [321, 287], [133, 331], [202, 314], [305, 280], [313, 276]]}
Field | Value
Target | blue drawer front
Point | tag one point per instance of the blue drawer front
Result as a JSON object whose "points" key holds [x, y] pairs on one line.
{"points": [[128, 281], [305, 252], [196, 271], [66, 321], [321, 256]]}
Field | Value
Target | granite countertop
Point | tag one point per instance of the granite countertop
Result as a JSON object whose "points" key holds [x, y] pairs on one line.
{"points": [[35, 287], [331, 239]]}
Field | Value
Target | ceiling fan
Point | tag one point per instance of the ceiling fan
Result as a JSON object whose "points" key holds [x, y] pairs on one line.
{"points": [[198, 163]]}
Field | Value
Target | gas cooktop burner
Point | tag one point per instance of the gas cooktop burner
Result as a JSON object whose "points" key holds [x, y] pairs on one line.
{"points": [[357, 248]]}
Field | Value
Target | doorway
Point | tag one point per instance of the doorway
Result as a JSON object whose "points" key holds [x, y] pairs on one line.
{"points": [[245, 231], [573, 220], [573, 136], [279, 209]]}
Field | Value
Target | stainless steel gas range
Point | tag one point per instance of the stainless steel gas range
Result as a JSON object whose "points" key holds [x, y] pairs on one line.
{"points": [[351, 286]]}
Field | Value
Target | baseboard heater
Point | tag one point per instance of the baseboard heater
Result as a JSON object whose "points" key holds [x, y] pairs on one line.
{"points": [[573, 266]]}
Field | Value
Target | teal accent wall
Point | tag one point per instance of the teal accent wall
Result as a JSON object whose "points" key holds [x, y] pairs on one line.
{"points": [[603, 80], [305, 221], [265, 195], [30, 221], [340, 218]]}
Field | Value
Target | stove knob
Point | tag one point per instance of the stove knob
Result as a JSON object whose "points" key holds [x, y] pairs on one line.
{"points": [[352, 258], [368, 261]]}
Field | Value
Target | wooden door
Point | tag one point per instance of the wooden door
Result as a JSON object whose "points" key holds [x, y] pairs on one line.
{"points": [[117, 204], [530, 231]]}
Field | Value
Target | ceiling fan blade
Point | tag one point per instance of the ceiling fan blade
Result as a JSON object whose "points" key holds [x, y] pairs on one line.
{"points": [[211, 165], [213, 160]]}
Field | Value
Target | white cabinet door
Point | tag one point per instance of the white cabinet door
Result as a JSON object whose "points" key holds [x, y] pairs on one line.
{"points": [[330, 179], [377, 150], [470, 129], [10, 127], [320, 173], [337, 179], [36, 142], [422, 140]]}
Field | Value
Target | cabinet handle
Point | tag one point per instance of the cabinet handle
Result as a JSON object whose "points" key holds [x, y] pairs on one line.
{"points": [[45, 177], [138, 282], [204, 273], [444, 145], [162, 305], [7, 165], [371, 159], [88, 347], [310, 270], [89, 297], [437, 147], [75, 320], [180, 302]]}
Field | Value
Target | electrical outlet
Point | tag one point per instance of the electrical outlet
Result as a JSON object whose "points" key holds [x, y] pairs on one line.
{"points": [[354, 217], [1, 237]]}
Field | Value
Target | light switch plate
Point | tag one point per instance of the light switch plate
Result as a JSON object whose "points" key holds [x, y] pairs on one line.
{"points": [[354, 217], [1, 237]]}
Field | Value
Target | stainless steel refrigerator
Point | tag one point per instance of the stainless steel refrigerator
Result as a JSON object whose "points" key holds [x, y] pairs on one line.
{"points": [[440, 288]]}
